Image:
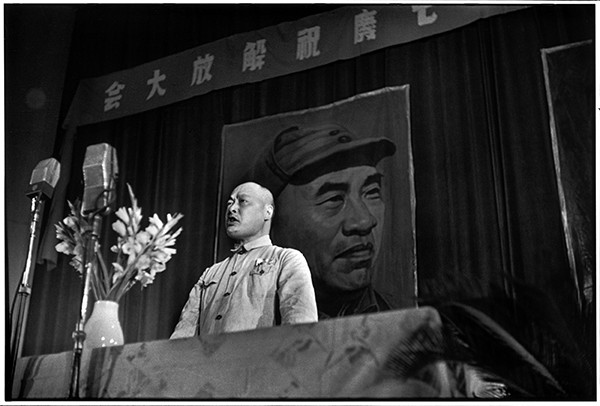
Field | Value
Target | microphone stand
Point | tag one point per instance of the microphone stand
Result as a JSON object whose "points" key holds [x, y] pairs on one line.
{"points": [[89, 261], [22, 304]]}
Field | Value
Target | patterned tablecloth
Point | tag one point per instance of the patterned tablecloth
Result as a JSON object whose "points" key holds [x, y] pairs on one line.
{"points": [[369, 356]]}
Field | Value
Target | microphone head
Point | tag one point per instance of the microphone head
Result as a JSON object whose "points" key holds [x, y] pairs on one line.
{"points": [[44, 178], [100, 171]]}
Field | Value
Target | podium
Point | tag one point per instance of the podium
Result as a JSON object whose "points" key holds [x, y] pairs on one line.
{"points": [[380, 355]]}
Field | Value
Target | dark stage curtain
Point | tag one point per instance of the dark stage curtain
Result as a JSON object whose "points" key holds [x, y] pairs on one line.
{"points": [[488, 219]]}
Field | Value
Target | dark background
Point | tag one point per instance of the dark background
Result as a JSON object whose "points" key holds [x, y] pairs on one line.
{"points": [[489, 230]]}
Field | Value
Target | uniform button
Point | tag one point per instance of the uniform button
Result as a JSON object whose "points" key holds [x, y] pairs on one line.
{"points": [[227, 294], [233, 273], [219, 317]]}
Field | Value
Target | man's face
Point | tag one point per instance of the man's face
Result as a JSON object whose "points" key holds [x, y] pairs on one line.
{"points": [[246, 213], [336, 222]]}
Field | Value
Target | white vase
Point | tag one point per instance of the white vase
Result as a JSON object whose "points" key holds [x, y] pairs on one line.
{"points": [[103, 328]]}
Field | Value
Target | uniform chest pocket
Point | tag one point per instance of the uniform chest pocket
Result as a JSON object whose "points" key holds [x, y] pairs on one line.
{"points": [[263, 267], [206, 284]]}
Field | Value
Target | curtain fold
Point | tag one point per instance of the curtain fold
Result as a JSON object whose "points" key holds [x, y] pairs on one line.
{"points": [[487, 205]]}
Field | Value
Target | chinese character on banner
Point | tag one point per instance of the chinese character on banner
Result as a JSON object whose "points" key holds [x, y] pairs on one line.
{"points": [[202, 67], [308, 39], [254, 55], [365, 26], [114, 96], [155, 82], [422, 17]]}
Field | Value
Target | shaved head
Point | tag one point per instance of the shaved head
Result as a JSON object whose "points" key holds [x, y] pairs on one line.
{"points": [[249, 212]]}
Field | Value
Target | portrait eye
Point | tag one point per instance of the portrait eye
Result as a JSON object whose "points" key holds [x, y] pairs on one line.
{"points": [[373, 192], [332, 201]]}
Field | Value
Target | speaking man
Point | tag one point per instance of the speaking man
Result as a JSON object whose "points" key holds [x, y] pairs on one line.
{"points": [[259, 285]]}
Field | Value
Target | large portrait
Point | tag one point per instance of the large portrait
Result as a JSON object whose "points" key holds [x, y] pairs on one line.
{"points": [[342, 180]]}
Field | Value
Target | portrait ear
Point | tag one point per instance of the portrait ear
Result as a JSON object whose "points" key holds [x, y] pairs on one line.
{"points": [[268, 212]]}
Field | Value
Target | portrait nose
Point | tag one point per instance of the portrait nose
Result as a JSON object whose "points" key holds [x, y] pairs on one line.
{"points": [[358, 218]]}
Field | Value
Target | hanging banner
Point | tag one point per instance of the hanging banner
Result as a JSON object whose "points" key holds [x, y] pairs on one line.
{"points": [[254, 56]]}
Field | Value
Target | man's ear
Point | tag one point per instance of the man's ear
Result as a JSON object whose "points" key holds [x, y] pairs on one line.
{"points": [[268, 212]]}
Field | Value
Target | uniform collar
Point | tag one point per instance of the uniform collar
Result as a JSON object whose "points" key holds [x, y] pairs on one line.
{"points": [[263, 241]]}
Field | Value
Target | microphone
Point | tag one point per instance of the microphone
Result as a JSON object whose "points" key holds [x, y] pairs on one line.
{"points": [[44, 178], [100, 171], [41, 186]]}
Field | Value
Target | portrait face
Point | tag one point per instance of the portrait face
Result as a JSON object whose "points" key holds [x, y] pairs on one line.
{"points": [[336, 222], [247, 211]]}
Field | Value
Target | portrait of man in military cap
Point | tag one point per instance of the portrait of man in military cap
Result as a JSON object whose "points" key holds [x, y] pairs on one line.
{"points": [[341, 176]]}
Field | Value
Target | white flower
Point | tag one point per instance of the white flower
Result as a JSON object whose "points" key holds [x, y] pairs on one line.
{"points": [[158, 267], [143, 237], [156, 221], [70, 222], [123, 215], [152, 230], [140, 255], [120, 228], [64, 248]]}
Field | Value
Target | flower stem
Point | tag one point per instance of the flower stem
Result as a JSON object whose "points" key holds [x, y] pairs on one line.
{"points": [[105, 275]]}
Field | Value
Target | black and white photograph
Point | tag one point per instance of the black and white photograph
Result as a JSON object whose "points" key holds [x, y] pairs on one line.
{"points": [[300, 202]]}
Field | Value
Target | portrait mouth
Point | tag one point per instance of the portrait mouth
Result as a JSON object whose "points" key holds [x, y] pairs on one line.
{"points": [[359, 253]]}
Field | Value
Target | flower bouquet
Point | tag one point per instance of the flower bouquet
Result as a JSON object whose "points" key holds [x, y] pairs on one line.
{"points": [[140, 254]]}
